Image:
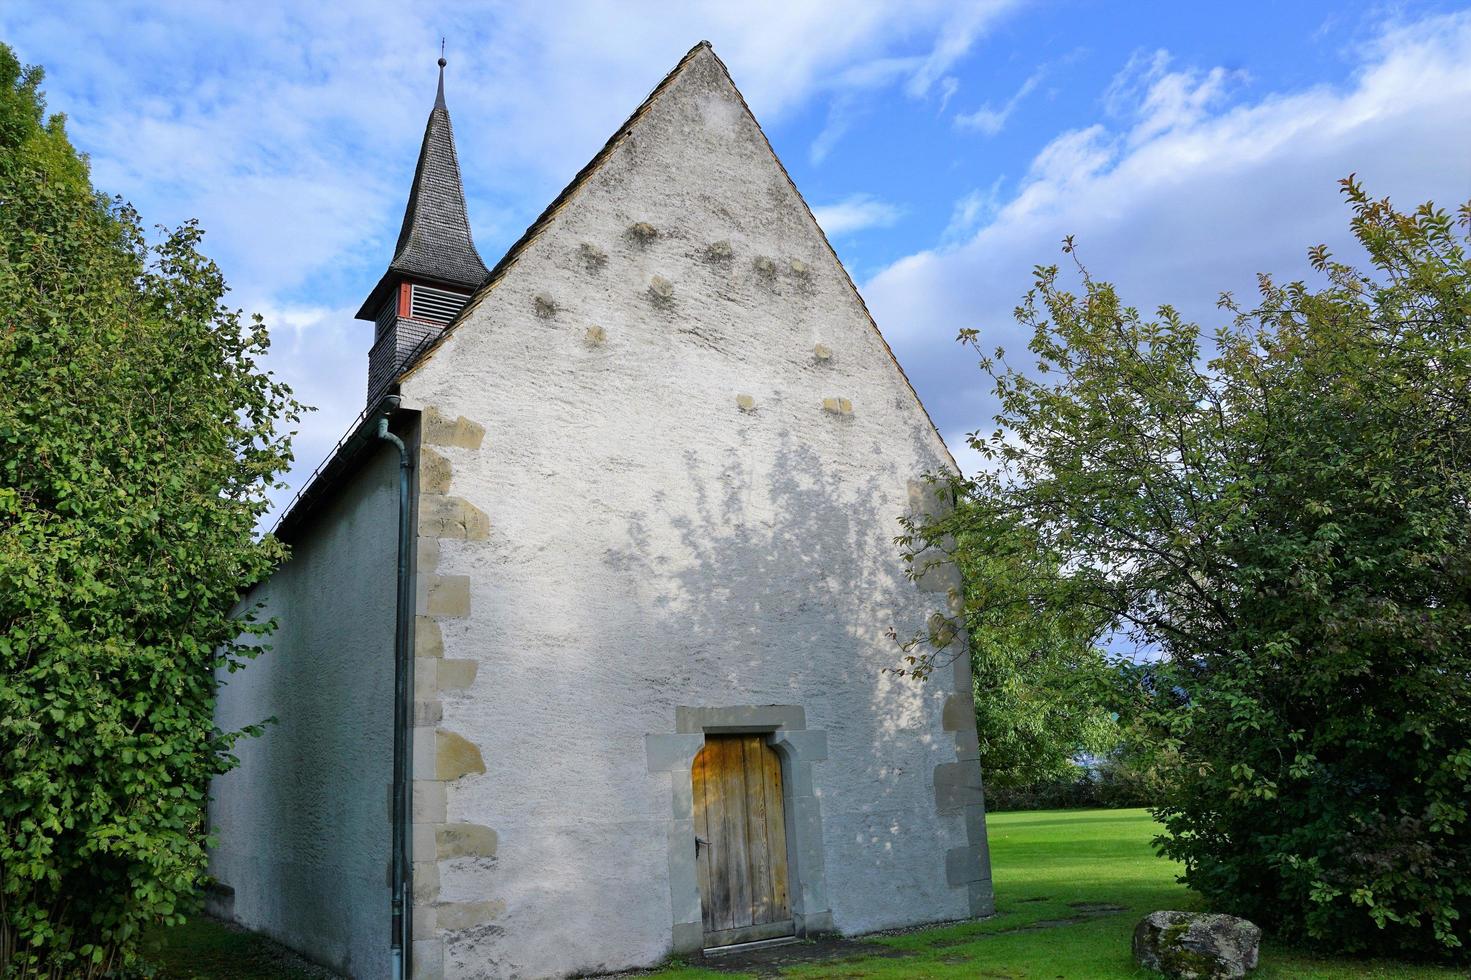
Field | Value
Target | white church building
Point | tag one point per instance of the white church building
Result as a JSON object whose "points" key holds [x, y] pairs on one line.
{"points": [[582, 644]]}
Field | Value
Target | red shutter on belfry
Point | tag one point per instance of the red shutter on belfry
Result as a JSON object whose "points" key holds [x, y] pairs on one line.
{"points": [[405, 296]]}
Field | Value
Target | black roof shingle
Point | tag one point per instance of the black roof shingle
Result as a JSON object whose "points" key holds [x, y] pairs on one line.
{"points": [[434, 243]]}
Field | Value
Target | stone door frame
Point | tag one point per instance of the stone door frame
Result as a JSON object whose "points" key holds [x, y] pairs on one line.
{"points": [[785, 728]]}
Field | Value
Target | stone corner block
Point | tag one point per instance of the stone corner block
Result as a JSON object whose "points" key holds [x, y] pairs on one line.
{"points": [[429, 801], [449, 596], [964, 865], [452, 517], [937, 571], [452, 916], [455, 756], [461, 433], [959, 713], [428, 640], [426, 881], [423, 921], [454, 840], [428, 959], [457, 674], [957, 785], [982, 898], [435, 472]]}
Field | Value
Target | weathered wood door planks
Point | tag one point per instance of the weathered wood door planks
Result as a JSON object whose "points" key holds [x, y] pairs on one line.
{"points": [[741, 840]]}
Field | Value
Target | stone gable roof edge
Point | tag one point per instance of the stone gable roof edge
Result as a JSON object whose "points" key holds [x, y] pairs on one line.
{"points": [[593, 165]]}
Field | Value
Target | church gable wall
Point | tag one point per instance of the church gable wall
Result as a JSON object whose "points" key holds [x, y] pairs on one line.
{"points": [[674, 454]]}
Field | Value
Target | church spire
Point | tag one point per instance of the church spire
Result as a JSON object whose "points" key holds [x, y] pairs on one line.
{"points": [[435, 266]]}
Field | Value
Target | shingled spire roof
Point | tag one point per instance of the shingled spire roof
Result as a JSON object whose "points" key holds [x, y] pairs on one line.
{"points": [[434, 243]]}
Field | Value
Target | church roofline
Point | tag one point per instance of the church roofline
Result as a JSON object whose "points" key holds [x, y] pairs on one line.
{"points": [[339, 462], [534, 230]]}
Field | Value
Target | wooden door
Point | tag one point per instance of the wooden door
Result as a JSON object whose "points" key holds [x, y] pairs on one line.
{"points": [[741, 840]]}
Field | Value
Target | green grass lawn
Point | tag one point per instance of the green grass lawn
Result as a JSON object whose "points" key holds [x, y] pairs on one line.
{"points": [[1059, 876], [1050, 867]]}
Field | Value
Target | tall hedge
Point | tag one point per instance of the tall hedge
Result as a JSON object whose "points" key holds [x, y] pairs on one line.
{"points": [[1282, 510], [137, 437]]}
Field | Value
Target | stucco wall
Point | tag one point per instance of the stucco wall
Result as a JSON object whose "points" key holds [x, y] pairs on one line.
{"points": [[695, 452], [303, 822]]}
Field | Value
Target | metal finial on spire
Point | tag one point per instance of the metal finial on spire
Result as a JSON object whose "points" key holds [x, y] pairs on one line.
{"points": [[439, 98]]}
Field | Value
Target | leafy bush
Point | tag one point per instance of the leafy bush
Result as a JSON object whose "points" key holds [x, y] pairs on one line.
{"points": [[1041, 683], [1284, 510], [136, 438]]}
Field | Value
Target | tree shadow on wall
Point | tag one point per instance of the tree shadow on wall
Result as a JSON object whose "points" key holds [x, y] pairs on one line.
{"points": [[775, 579]]}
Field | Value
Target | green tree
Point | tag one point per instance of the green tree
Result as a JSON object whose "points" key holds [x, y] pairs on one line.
{"points": [[137, 438], [1284, 510], [1042, 685]]}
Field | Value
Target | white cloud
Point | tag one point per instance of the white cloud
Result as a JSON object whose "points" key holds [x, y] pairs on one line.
{"points": [[1158, 100], [989, 120], [290, 130], [1187, 194], [855, 213], [972, 210]]}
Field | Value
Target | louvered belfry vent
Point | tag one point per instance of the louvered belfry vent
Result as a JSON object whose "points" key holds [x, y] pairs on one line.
{"points": [[435, 267], [435, 305]]}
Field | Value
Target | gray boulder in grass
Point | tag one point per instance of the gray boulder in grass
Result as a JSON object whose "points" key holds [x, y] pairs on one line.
{"points": [[1196, 945]]}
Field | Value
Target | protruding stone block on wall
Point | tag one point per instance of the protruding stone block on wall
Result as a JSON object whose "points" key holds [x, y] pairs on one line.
{"points": [[428, 959], [454, 840], [449, 595], [426, 555], [457, 674], [545, 306], [837, 406], [435, 472], [982, 898], [822, 353], [661, 289], [958, 785], [719, 251], [451, 916], [426, 881], [959, 712], [429, 801], [452, 517], [428, 640], [423, 920], [460, 432], [593, 258], [746, 403], [595, 336], [942, 631], [455, 756], [642, 232], [963, 864], [937, 571]]}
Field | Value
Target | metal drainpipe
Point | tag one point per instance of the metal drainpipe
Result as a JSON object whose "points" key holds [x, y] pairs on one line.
{"points": [[400, 938]]}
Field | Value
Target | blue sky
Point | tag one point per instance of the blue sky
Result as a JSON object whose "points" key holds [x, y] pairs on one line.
{"points": [[946, 147]]}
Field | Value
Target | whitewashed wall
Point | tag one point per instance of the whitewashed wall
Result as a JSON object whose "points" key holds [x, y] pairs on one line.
{"points": [[652, 543]]}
